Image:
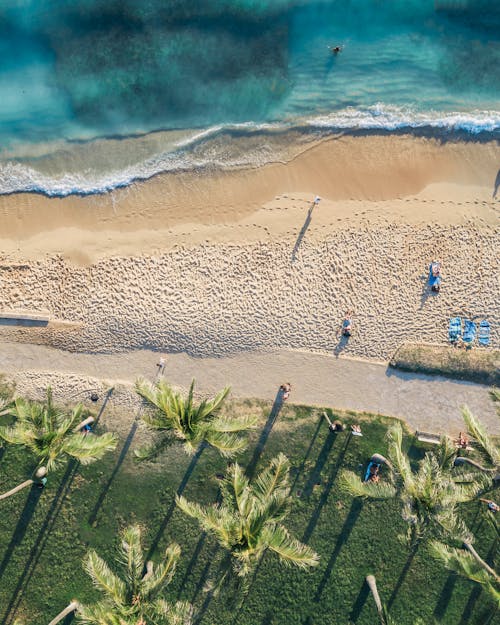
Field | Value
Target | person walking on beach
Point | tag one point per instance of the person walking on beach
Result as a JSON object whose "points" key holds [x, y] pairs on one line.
{"points": [[346, 327]]}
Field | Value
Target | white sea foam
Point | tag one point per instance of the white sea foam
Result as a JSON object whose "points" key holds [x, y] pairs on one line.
{"points": [[238, 145]]}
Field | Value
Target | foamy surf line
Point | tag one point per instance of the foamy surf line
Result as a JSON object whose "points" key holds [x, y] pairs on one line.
{"points": [[210, 150]]}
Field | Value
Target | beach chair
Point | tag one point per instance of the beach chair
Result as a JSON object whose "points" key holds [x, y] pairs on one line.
{"points": [[483, 337], [469, 332], [455, 329]]}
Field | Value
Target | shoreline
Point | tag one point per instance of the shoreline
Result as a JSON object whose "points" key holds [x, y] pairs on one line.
{"points": [[364, 169]]}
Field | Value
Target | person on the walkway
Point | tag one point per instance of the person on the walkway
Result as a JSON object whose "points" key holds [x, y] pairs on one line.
{"points": [[161, 366], [462, 440], [285, 390]]}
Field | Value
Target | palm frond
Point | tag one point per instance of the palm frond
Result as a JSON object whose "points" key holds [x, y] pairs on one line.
{"points": [[104, 579], [228, 444], [161, 574], [130, 554], [233, 424], [217, 520], [478, 431], [272, 478], [90, 447], [290, 550], [464, 564], [15, 434], [148, 453], [180, 613], [396, 455], [352, 484]]}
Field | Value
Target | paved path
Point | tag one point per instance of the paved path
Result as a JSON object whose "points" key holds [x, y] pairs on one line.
{"points": [[428, 403]]}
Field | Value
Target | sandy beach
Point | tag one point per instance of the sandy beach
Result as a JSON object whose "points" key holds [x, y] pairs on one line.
{"points": [[225, 262]]}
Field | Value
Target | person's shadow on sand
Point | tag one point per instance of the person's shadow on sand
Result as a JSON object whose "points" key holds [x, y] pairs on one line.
{"points": [[341, 345], [303, 231], [497, 185]]}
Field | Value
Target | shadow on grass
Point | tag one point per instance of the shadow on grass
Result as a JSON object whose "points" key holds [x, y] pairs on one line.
{"points": [[180, 490], [119, 462], [40, 542], [360, 602], [470, 605], [320, 463], [326, 491], [304, 460], [273, 415], [403, 575], [22, 525], [349, 523], [445, 596], [44, 533], [192, 562]]}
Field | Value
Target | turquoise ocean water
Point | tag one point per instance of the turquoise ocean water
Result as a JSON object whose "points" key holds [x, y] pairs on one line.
{"points": [[97, 93]]}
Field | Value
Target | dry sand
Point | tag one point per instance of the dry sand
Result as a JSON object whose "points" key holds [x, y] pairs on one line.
{"points": [[216, 264]]}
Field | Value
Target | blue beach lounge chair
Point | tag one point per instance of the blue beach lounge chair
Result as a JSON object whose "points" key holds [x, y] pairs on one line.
{"points": [[483, 337], [455, 329], [469, 332]]}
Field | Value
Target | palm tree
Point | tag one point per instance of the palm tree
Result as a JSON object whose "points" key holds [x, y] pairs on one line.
{"points": [[135, 598], [248, 521], [468, 563], [71, 607], [488, 450], [372, 585], [429, 495], [51, 433], [176, 417]]}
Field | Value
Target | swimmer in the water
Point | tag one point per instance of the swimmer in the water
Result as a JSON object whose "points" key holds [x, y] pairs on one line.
{"points": [[336, 49]]}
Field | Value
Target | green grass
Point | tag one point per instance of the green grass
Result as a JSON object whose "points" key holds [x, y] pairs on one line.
{"points": [[42, 541], [476, 365]]}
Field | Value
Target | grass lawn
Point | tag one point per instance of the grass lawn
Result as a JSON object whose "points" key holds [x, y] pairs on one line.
{"points": [[45, 534], [476, 365]]}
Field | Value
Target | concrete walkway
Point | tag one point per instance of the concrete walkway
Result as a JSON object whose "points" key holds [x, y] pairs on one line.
{"points": [[427, 403]]}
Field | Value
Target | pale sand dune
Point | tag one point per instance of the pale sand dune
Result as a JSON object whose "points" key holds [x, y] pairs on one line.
{"points": [[207, 265]]}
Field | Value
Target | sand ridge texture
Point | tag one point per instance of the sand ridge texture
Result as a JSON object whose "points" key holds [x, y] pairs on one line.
{"points": [[266, 271]]}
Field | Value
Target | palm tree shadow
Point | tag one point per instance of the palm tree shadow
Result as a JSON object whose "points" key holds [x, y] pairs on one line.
{"points": [[180, 490], [22, 525], [304, 459], [402, 575], [326, 492], [273, 415], [119, 462], [360, 602], [192, 562], [40, 541], [347, 528], [45, 529], [314, 477], [302, 232], [470, 605], [445, 597]]}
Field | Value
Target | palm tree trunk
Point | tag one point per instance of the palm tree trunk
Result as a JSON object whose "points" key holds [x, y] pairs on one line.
{"points": [[480, 561], [476, 465], [85, 422], [38, 476], [67, 610], [372, 585]]}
